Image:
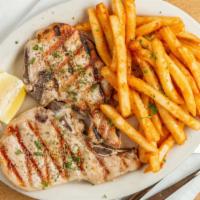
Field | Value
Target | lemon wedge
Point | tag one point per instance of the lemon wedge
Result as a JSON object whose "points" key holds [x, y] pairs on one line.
{"points": [[12, 95]]}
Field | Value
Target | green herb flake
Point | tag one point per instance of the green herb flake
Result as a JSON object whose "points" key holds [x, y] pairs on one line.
{"points": [[153, 56], [36, 47], [56, 54], [44, 184], [145, 71], [104, 196], [38, 153], [32, 60], [94, 86], [18, 152], [16, 42], [77, 159], [153, 109], [164, 160], [68, 164], [38, 145]]}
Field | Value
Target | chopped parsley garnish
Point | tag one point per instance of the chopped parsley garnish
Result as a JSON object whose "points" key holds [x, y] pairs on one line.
{"points": [[68, 164], [37, 47], [38, 153], [56, 54], [69, 53], [18, 152], [104, 196], [38, 145], [32, 60], [145, 71], [164, 160], [16, 42], [153, 109], [72, 95], [153, 56], [94, 86], [44, 184], [148, 37], [77, 159], [70, 70]]}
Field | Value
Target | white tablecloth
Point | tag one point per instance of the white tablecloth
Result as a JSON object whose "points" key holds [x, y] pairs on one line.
{"points": [[14, 12]]}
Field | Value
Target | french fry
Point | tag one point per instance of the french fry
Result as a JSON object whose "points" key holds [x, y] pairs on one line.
{"points": [[172, 125], [157, 96], [119, 11], [85, 26], [121, 52], [195, 49], [181, 52], [126, 128], [113, 65], [150, 131], [183, 84], [99, 38], [129, 62], [166, 21], [165, 148], [164, 136], [103, 17], [130, 9], [191, 81], [189, 37], [177, 28], [162, 70], [143, 155], [137, 107], [154, 161], [148, 28], [144, 43]]}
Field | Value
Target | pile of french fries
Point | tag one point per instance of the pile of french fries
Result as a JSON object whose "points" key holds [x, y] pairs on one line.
{"points": [[163, 90]]}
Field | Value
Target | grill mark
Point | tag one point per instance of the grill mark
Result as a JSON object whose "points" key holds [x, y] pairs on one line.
{"points": [[11, 166], [47, 168], [123, 162], [62, 143], [101, 162], [26, 151], [70, 152], [35, 130]]}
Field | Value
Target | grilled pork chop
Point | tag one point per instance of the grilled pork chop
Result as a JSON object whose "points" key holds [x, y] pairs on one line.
{"points": [[61, 64], [42, 148]]}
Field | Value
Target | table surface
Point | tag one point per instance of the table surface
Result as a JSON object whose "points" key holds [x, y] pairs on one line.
{"points": [[191, 7]]}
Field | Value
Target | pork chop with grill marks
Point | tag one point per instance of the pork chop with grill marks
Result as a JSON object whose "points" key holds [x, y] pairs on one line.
{"points": [[42, 148], [61, 64]]}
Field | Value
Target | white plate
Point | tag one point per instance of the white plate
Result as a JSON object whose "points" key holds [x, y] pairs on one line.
{"points": [[11, 60]]}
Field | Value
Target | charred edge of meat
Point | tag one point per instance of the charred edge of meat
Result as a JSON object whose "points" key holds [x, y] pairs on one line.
{"points": [[105, 150], [41, 117], [37, 92], [26, 75], [57, 31], [96, 133], [55, 105]]}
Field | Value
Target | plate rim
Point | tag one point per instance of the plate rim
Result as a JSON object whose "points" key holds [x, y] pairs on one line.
{"points": [[186, 15]]}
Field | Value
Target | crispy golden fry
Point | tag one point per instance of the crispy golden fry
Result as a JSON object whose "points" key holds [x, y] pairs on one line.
{"points": [[189, 37], [148, 28], [177, 28], [126, 128], [99, 38], [150, 77], [165, 147], [172, 125], [181, 52], [113, 65], [195, 49], [150, 131], [182, 82], [121, 52], [130, 9], [162, 70], [157, 96], [119, 11], [166, 21], [103, 17], [154, 161], [164, 136], [85, 26], [190, 80], [178, 133], [186, 73], [129, 62], [144, 43], [143, 155]]}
